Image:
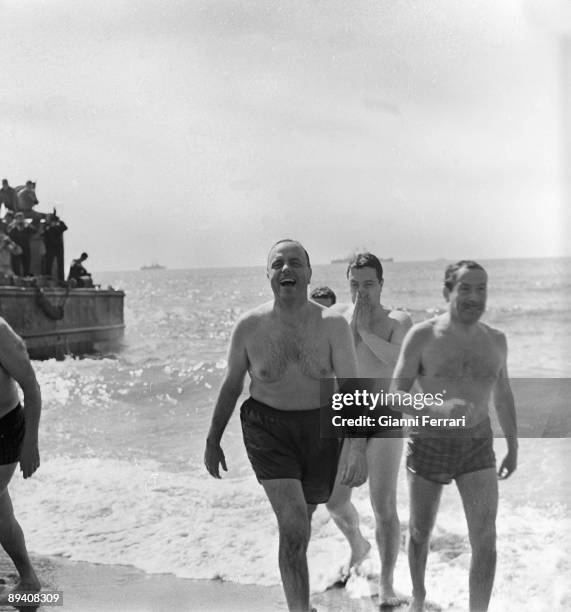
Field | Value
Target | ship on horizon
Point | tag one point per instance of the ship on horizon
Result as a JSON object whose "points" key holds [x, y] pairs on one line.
{"points": [[153, 266], [349, 257]]}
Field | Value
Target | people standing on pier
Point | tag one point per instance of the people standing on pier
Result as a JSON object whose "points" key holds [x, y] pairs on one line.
{"points": [[53, 240], [26, 197], [21, 233], [8, 196], [8, 248]]}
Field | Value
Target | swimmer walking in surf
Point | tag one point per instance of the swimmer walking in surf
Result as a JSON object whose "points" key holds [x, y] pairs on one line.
{"points": [[287, 346], [458, 353]]}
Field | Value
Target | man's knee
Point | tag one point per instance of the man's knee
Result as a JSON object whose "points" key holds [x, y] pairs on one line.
{"points": [[294, 539], [420, 532], [385, 508], [336, 505]]}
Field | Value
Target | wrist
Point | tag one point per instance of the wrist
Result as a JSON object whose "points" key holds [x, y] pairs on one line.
{"points": [[212, 440]]}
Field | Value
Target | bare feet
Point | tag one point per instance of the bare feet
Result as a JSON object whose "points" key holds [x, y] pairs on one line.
{"points": [[359, 552], [31, 585], [416, 605], [388, 598]]}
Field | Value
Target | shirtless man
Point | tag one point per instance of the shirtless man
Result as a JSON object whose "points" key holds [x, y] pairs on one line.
{"points": [[18, 442], [287, 346], [378, 334], [456, 353]]}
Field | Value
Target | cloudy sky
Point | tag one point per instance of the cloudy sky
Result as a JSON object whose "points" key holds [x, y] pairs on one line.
{"points": [[198, 132]]}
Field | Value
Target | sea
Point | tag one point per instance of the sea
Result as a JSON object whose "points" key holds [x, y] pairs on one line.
{"points": [[122, 479]]}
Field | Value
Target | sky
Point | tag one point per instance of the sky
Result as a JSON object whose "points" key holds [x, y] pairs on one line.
{"points": [[197, 133]]}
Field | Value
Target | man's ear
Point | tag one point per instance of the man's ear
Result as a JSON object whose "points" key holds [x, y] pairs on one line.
{"points": [[446, 293]]}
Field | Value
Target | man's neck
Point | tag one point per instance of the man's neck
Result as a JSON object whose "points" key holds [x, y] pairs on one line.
{"points": [[462, 329], [290, 310]]}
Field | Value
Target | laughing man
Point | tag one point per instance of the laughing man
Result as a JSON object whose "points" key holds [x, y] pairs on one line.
{"points": [[287, 346]]}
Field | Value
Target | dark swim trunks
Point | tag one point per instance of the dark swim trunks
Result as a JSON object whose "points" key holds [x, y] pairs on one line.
{"points": [[445, 458], [288, 444], [11, 435]]}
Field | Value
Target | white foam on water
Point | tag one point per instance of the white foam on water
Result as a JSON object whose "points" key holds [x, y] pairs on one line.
{"points": [[111, 511]]}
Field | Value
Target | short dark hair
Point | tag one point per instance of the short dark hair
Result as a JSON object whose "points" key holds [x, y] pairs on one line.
{"points": [[366, 260], [84, 255], [295, 242], [324, 293], [452, 271]]}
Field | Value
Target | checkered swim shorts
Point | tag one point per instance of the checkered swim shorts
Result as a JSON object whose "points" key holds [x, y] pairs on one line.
{"points": [[445, 458]]}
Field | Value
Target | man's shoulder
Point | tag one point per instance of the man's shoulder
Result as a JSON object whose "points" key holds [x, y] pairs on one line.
{"points": [[493, 333], [400, 316], [333, 316], [341, 308], [255, 315], [424, 330]]}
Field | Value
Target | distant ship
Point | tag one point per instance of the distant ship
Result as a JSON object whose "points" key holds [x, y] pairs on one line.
{"points": [[348, 258], [153, 266]]}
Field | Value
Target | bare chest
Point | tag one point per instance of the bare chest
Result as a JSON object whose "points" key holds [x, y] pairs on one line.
{"points": [[276, 352], [452, 360]]}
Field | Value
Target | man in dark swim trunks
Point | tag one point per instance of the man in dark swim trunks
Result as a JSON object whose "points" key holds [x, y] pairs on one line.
{"points": [[287, 346], [458, 354], [18, 442]]}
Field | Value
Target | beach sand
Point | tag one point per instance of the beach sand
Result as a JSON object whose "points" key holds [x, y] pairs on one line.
{"points": [[89, 587]]}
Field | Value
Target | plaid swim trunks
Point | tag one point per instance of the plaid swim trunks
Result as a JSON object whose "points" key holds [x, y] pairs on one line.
{"points": [[445, 458]]}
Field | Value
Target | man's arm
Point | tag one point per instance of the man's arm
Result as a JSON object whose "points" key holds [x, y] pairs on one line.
{"points": [[14, 359], [387, 351], [408, 363], [505, 408], [354, 470], [227, 397]]}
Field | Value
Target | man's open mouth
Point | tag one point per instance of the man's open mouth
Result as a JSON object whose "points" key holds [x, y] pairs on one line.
{"points": [[287, 282]]}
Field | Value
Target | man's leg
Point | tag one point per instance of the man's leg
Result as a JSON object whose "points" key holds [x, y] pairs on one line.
{"points": [[424, 501], [383, 459], [26, 259], [11, 535], [49, 262], [59, 259], [479, 492], [294, 524], [346, 517]]}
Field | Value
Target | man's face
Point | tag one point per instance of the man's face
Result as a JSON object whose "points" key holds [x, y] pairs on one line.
{"points": [[288, 271], [363, 282], [19, 218], [467, 300]]}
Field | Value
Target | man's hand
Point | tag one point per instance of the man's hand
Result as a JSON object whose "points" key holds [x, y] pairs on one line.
{"points": [[453, 408], [509, 464], [214, 458], [354, 470], [361, 318], [29, 456]]}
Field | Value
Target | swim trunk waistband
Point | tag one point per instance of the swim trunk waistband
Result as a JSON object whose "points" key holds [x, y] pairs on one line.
{"points": [[286, 415]]}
